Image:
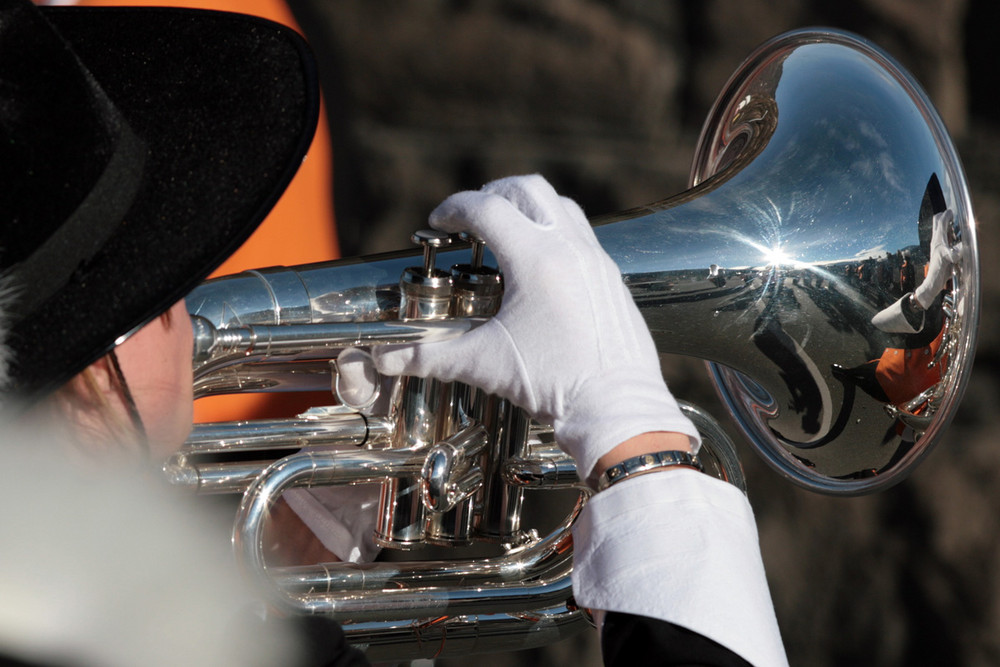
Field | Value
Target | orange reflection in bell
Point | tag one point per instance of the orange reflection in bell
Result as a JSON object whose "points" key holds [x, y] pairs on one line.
{"points": [[903, 374]]}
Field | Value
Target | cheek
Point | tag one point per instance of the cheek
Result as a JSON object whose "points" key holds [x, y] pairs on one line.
{"points": [[177, 411], [156, 362], [178, 348]]}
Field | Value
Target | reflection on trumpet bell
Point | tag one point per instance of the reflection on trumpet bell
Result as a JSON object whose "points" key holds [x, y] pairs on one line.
{"points": [[820, 220]]}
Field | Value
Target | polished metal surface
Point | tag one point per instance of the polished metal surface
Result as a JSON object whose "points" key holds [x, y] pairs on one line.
{"points": [[536, 576], [418, 406], [466, 635], [215, 347], [451, 472], [718, 452], [298, 358], [311, 468], [647, 463], [817, 177], [817, 174], [226, 457], [478, 290]]}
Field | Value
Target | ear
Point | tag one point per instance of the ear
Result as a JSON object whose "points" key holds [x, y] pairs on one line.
{"points": [[90, 397], [95, 381]]}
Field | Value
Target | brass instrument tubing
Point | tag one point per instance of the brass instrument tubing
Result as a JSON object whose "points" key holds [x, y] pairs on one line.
{"points": [[520, 582], [544, 558], [212, 478], [546, 466], [502, 503], [217, 348], [267, 434], [717, 448], [184, 469], [477, 633], [550, 557], [424, 602], [241, 378], [551, 473], [308, 469]]}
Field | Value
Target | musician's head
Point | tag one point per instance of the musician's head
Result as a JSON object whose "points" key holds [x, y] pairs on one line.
{"points": [[138, 149]]}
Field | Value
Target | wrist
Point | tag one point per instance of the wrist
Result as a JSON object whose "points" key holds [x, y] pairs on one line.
{"points": [[644, 443], [612, 409]]}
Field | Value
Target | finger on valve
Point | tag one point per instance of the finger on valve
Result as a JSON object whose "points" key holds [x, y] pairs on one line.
{"points": [[358, 383], [566, 328]]}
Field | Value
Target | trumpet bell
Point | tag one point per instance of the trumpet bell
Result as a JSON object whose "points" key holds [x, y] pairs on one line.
{"points": [[815, 185]]}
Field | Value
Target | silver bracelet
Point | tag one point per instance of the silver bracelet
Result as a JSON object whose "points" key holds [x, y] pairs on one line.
{"points": [[645, 463]]}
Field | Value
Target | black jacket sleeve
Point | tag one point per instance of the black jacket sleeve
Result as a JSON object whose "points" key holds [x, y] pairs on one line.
{"points": [[637, 641]]}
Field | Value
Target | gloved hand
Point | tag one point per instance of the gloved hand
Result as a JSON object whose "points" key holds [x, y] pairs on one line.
{"points": [[357, 384], [568, 344], [942, 257], [343, 518], [906, 315]]}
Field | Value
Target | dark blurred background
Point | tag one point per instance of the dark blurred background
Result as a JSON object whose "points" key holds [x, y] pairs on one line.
{"points": [[606, 99]]}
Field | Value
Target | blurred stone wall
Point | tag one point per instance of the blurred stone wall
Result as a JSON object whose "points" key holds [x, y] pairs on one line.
{"points": [[606, 99]]}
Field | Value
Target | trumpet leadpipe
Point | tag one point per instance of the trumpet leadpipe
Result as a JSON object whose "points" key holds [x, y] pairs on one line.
{"points": [[226, 457], [215, 347]]}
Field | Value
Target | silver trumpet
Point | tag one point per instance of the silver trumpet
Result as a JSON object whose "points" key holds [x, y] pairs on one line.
{"points": [[816, 179]]}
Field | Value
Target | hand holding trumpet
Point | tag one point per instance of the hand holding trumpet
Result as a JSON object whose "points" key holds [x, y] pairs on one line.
{"points": [[568, 344]]}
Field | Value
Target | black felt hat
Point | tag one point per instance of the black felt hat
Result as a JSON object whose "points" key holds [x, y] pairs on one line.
{"points": [[139, 147]]}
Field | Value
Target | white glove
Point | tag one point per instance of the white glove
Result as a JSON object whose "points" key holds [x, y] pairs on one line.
{"points": [[906, 316], [900, 317], [568, 344], [343, 518], [942, 258], [357, 384]]}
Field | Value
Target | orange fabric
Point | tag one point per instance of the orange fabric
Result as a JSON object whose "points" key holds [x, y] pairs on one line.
{"points": [[903, 374], [275, 10], [299, 230]]}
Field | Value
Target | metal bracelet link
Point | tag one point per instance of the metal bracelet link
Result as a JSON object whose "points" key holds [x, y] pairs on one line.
{"points": [[646, 463]]}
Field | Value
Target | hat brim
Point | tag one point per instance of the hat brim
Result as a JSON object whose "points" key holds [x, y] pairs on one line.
{"points": [[227, 105]]}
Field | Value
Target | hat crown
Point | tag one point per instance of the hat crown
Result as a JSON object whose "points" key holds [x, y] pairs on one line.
{"points": [[139, 147], [58, 131]]}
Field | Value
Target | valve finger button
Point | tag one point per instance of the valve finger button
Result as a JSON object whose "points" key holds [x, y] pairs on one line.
{"points": [[478, 247], [431, 240]]}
